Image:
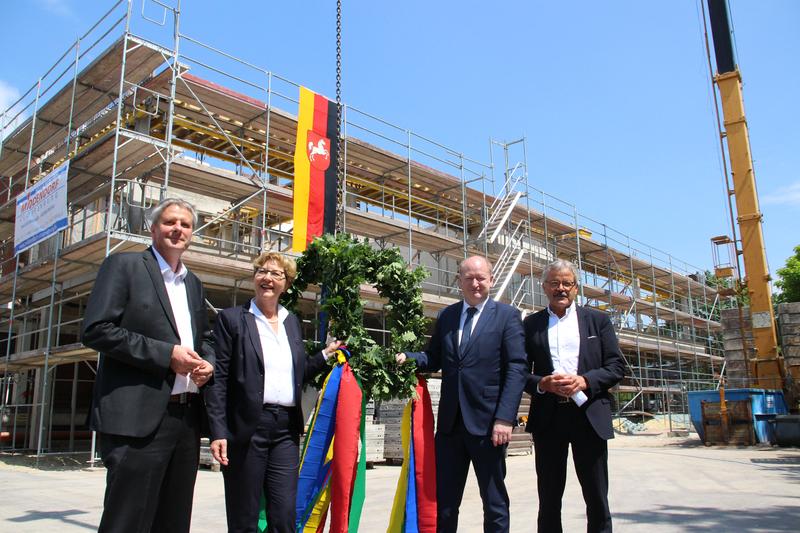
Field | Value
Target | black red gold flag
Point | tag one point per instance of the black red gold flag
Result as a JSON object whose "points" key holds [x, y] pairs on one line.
{"points": [[315, 169]]}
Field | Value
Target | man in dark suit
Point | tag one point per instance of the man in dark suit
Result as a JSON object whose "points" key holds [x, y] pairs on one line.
{"points": [[478, 345], [147, 318], [576, 359]]}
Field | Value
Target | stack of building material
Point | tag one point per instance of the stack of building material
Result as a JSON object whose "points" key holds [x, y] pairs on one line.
{"points": [[737, 372], [521, 443], [375, 436], [789, 330], [206, 459], [435, 390], [390, 414]]}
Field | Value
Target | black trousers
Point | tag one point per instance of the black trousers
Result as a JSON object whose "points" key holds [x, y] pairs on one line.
{"points": [[150, 480], [590, 456], [268, 463], [454, 453]]}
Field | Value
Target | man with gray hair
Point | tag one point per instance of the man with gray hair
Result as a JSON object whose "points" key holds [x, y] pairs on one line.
{"points": [[575, 359], [147, 318]]}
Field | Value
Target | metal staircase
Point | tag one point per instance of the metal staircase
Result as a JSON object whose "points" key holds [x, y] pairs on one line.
{"points": [[501, 233], [502, 207], [524, 292], [509, 260]]}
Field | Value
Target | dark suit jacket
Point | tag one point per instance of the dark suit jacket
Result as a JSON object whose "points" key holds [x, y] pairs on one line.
{"points": [[235, 396], [600, 362], [486, 382], [129, 321]]}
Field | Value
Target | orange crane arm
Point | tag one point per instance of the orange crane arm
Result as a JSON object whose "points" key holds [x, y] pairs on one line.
{"points": [[768, 367]]}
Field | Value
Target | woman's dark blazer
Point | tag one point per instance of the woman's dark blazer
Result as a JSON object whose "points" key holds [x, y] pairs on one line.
{"points": [[235, 396]]}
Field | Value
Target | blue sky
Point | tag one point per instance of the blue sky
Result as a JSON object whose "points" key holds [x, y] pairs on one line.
{"points": [[614, 97]]}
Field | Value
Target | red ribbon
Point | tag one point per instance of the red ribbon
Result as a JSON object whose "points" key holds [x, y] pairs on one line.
{"points": [[424, 459], [345, 450]]}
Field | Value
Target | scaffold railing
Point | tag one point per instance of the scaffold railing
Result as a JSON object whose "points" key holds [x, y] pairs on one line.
{"points": [[142, 110]]}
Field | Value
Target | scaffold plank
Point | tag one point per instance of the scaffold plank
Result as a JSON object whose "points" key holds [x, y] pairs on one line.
{"points": [[68, 353], [96, 90]]}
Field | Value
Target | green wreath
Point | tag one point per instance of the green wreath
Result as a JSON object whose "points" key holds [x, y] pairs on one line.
{"points": [[341, 264]]}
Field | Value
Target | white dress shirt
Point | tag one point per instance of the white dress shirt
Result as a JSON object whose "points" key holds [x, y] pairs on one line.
{"points": [[176, 290], [278, 361], [564, 338], [464, 307]]}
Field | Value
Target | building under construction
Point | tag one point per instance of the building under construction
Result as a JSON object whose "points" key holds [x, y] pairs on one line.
{"points": [[137, 119]]}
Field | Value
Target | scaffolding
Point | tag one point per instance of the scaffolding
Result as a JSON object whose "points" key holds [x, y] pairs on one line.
{"points": [[141, 110]]}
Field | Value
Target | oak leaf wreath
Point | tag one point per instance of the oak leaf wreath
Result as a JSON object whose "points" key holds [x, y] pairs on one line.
{"points": [[340, 265]]}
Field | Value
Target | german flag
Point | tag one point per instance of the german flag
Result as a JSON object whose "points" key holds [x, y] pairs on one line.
{"points": [[315, 165]]}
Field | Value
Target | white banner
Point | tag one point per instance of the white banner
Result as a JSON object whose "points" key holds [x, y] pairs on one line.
{"points": [[41, 210]]}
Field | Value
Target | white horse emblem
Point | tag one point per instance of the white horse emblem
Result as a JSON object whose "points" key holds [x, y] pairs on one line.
{"points": [[319, 149]]}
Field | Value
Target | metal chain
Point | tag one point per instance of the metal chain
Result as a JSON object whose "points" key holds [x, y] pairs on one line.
{"points": [[340, 180]]}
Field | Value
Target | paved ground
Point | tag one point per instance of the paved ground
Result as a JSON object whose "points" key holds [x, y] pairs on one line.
{"points": [[657, 485]]}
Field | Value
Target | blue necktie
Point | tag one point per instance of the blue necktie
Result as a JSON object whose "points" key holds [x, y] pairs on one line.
{"points": [[467, 331]]}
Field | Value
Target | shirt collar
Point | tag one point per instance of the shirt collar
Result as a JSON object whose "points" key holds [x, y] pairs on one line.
{"points": [[567, 313], [479, 307], [166, 270], [282, 312]]}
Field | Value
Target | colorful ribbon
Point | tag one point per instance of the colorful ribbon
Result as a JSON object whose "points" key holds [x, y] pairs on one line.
{"points": [[414, 507], [332, 471]]}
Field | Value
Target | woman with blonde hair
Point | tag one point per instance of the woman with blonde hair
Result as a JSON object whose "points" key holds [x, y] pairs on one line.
{"points": [[254, 400]]}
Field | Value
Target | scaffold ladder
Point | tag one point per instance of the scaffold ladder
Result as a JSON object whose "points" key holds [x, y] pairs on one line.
{"points": [[502, 207], [509, 260], [500, 226]]}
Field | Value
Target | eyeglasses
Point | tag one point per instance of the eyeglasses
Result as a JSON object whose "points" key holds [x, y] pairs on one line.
{"points": [[556, 284], [274, 274]]}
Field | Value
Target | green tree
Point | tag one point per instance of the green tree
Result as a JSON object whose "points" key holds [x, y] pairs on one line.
{"points": [[789, 284]]}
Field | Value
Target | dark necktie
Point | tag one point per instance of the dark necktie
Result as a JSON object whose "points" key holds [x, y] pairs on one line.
{"points": [[467, 331]]}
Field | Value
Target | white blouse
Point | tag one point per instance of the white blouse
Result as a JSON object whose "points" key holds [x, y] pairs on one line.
{"points": [[278, 362]]}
